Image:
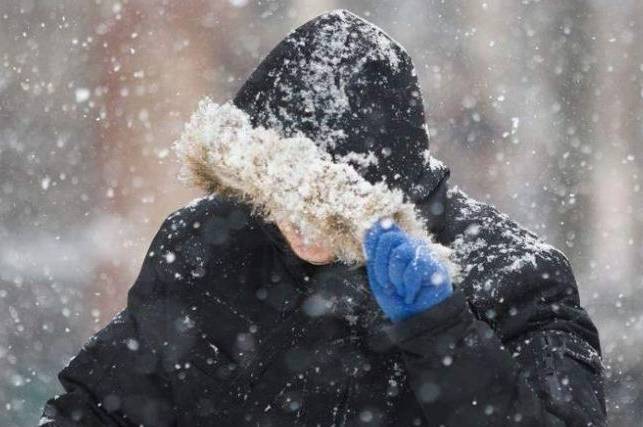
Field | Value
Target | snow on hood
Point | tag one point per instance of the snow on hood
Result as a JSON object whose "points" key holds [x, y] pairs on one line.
{"points": [[351, 88], [292, 179]]}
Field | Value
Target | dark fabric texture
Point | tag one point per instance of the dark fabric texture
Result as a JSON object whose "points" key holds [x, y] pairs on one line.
{"points": [[226, 326]]}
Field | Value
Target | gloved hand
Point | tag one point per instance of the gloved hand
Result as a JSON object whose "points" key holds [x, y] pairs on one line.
{"points": [[404, 275]]}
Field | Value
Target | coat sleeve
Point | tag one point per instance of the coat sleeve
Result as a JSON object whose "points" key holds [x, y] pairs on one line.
{"points": [[463, 374], [118, 379]]}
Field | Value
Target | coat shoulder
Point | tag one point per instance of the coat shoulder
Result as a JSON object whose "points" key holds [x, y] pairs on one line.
{"points": [[509, 274], [481, 234], [207, 232], [213, 218], [198, 247], [516, 282]]}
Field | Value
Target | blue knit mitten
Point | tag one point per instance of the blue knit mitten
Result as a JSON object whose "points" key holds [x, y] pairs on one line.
{"points": [[404, 275]]}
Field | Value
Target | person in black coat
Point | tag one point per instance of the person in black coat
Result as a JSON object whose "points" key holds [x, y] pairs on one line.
{"points": [[226, 325]]}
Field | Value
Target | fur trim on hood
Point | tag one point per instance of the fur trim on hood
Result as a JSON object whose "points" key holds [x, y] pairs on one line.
{"points": [[292, 179]]}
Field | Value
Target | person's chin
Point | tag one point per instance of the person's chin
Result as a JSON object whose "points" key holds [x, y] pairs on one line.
{"points": [[316, 260], [319, 262]]}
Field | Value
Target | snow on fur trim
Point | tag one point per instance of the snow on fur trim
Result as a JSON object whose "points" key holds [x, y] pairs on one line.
{"points": [[292, 179]]}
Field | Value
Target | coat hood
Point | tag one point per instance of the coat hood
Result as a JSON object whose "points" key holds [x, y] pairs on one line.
{"points": [[345, 84]]}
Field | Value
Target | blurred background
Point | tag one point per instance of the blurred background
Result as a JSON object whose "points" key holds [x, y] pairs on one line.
{"points": [[535, 105]]}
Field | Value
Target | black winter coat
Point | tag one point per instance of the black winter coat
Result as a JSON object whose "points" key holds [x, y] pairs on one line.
{"points": [[226, 326], [235, 330]]}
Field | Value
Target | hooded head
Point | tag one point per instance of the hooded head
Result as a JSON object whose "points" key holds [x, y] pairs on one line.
{"points": [[348, 86]]}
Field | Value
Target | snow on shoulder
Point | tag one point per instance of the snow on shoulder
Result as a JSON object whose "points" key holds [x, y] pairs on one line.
{"points": [[292, 179]]}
